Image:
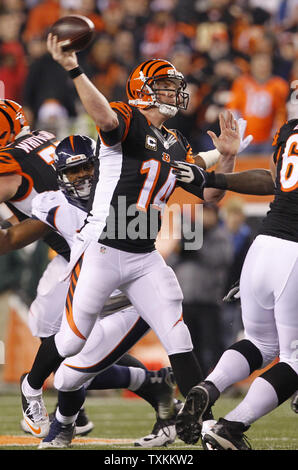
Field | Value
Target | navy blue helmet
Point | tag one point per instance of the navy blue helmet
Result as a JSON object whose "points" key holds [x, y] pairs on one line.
{"points": [[72, 153]]}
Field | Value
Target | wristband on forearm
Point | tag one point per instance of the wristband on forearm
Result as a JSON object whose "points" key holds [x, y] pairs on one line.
{"points": [[210, 158], [216, 180], [74, 73], [5, 224]]}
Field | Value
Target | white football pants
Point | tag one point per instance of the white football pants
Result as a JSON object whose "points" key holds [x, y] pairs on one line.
{"points": [[269, 298], [148, 282], [45, 313]]}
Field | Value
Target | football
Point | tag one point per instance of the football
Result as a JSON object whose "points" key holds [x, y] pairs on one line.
{"points": [[75, 32]]}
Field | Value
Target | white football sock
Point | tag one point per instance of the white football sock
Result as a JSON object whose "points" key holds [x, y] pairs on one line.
{"points": [[137, 378], [28, 390], [260, 399], [65, 419], [231, 368]]}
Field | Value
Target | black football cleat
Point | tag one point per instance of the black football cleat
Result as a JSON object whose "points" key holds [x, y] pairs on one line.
{"points": [[60, 436], [197, 407], [160, 385], [83, 424], [227, 435]]}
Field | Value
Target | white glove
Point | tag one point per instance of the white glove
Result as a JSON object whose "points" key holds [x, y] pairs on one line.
{"points": [[242, 123], [189, 173]]}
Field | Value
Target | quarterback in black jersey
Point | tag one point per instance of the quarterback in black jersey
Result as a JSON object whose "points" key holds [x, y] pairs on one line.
{"points": [[135, 151], [269, 302]]}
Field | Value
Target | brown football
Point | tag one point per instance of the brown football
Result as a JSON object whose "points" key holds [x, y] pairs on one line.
{"points": [[75, 32]]}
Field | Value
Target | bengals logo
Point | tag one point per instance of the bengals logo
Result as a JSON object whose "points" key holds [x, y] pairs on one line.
{"points": [[166, 157]]}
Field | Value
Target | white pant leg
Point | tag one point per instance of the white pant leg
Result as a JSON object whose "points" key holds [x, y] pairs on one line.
{"points": [[157, 297], [286, 317], [110, 338], [268, 296], [95, 276], [45, 313]]}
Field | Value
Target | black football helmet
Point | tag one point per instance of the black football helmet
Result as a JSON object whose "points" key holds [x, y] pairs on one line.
{"points": [[72, 152]]}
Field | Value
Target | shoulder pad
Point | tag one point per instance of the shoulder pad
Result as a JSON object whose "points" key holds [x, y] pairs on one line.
{"points": [[285, 131], [43, 202], [124, 110]]}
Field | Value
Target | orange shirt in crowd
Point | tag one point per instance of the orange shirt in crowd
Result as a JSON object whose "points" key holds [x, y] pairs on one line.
{"points": [[263, 105], [43, 15]]}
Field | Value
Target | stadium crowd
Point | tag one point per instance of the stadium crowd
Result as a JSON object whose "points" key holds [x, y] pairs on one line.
{"points": [[233, 53]]}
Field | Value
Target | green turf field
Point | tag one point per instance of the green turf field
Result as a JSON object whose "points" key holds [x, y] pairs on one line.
{"points": [[126, 419]]}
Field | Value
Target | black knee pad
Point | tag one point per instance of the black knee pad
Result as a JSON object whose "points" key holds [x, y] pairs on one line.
{"points": [[251, 353], [283, 379]]}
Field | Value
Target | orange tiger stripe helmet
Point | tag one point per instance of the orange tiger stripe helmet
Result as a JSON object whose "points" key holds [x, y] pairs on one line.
{"points": [[12, 121], [140, 86]]}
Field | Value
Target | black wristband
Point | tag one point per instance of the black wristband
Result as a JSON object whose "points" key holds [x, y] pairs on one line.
{"points": [[216, 180], [74, 73], [5, 224]]}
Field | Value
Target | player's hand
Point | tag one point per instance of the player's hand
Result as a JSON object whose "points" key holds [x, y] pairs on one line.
{"points": [[242, 123], [233, 295], [189, 173], [228, 142], [68, 60]]}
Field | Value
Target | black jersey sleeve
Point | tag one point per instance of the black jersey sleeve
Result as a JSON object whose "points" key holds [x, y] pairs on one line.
{"points": [[119, 134]]}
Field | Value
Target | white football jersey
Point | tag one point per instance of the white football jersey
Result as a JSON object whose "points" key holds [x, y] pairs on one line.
{"points": [[52, 208]]}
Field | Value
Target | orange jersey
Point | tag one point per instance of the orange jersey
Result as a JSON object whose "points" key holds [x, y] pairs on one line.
{"points": [[263, 105]]}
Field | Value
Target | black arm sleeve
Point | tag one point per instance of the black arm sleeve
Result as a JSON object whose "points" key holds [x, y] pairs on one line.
{"points": [[257, 182], [191, 188]]}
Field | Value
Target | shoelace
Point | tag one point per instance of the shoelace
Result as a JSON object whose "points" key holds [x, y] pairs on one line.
{"points": [[162, 424], [35, 410]]}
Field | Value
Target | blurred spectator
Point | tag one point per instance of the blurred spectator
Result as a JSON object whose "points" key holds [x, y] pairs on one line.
{"points": [[53, 117], [108, 75], [260, 98], [241, 233], [40, 18], [44, 14], [124, 50], [134, 20], [13, 65], [48, 80], [202, 276], [242, 237], [292, 104], [113, 16], [160, 35]]}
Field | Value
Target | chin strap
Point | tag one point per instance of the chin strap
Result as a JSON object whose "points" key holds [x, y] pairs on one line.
{"points": [[167, 109]]}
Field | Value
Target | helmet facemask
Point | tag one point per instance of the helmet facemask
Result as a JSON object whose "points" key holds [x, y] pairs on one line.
{"points": [[150, 89], [181, 98], [80, 187]]}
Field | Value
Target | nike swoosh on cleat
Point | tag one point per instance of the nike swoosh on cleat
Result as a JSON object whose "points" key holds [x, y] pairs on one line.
{"points": [[36, 431]]}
